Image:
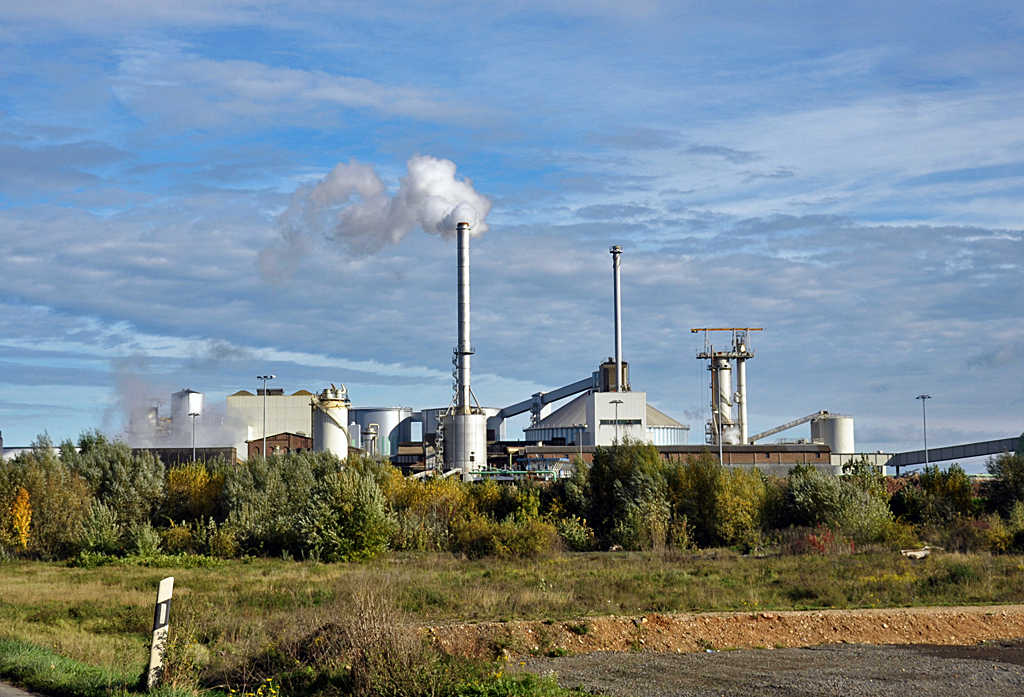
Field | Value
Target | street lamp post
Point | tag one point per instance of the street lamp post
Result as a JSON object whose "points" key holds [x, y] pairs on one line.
{"points": [[579, 437], [193, 415], [264, 378], [616, 402], [924, 417]]}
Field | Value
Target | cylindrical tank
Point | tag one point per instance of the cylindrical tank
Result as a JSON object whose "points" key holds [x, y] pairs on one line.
{"points": [[430, 417], [330, 421], [185, 403], [465, 443], [394, 426], [835, 431], [666, 435]]}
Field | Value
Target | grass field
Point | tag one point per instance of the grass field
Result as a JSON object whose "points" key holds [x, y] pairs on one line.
{"points": [[236, 624]]}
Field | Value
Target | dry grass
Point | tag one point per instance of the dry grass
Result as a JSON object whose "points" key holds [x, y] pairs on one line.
{"points": [[240, 622]]}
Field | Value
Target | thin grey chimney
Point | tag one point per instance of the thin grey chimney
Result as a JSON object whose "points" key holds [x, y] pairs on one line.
{"points": [[616, 252]]}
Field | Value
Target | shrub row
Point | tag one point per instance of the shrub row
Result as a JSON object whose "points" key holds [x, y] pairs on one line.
{"points": [[101, 499]]}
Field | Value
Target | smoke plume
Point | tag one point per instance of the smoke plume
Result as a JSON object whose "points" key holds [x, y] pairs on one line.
{"points": [[352, 205]]}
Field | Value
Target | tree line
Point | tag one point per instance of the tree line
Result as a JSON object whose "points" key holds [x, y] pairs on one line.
{"points": [[100, 501]]}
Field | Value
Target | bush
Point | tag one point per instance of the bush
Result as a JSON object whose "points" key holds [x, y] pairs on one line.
{"points": [[576, 534], [142, 540], [935, 498], [100, 532], [720, 506], [855, 506], [1007, 488], [481, 536], [194, 491], [628, 503], [132, 485], [346, 519], [428, 512]]}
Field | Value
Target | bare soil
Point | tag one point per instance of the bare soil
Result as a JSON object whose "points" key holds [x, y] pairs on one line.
{"points": [[688, 633], [940, 651]]}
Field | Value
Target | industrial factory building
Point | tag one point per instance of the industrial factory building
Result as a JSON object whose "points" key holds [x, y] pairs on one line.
{"points": [[469, 439]]}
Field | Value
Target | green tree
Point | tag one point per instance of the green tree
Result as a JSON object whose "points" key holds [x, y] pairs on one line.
{"points": [[346, 519], [628, 503], [131, 485], [721, 506], [60, 497], [1007, 487]]}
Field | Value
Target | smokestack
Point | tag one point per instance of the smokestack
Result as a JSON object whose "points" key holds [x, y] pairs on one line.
{"points": [[616, 251], [464, 350]]}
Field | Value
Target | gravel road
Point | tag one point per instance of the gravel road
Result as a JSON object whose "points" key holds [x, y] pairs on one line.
{"points": [[844, 670]]}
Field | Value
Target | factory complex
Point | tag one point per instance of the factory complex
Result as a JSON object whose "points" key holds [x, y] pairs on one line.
{"points": [[470, 440]]}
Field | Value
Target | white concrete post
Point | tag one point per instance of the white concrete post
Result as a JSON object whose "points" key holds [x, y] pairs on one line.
{"points": [[161, 618]]}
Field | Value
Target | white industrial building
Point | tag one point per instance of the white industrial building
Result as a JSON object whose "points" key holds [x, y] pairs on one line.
{"points": [[291, 413], [592, 419]]}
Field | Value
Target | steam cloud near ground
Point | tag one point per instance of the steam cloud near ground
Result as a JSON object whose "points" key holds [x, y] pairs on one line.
{"points": [[352, 205]]}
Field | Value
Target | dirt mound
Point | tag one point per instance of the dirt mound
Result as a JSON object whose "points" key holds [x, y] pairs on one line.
{"points": [[684, 633]]}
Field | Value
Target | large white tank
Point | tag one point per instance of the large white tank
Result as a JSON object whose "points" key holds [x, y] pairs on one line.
{"points": [[330, 421], [186, 403], [465, 443], [835, 431], [394, 426], [430, 417]]}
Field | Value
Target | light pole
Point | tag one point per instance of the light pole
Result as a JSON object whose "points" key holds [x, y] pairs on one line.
{"points": [[579, 437], [264, 378], [924, 417], [193, 414], [616, 402]]}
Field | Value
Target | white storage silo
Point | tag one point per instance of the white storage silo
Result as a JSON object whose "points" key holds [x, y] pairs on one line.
{"points": [[394, 426], [835, 431], [185, 403], [330, 421], [465, 443]]}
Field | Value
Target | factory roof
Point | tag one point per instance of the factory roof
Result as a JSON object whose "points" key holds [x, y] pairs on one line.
{"points": [[575, 412], [270, 393], [566, 416], [659, 418]]}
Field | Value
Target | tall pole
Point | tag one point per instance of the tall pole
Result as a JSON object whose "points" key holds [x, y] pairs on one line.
{"points": [[616, 252], [721, 459], [264, 378], [579, 437], [616, 402], [924, 417], [193, 415]]}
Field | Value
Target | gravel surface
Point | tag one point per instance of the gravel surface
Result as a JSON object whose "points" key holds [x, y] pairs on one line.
{"points": [[11, 691], [844, 670]]}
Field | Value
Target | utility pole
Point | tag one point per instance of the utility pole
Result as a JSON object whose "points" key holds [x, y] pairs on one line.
{"points": [[264, 378], [924, 417]]}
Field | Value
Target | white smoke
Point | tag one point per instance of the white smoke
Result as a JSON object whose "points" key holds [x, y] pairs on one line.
{"points": [[352, 205]]}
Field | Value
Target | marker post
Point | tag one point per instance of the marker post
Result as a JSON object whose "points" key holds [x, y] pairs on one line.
{"points": [[161, 618]]}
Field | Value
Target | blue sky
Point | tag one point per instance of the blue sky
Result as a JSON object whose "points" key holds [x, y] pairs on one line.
{"points": [[847, 176]]}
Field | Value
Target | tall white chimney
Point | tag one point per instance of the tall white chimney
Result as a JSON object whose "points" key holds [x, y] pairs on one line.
{"points": [[616, 251], [465, 440], [464, 349]]}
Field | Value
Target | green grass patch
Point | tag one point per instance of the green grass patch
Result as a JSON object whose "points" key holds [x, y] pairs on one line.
{"points": [[238, 623], [42, 670]]}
